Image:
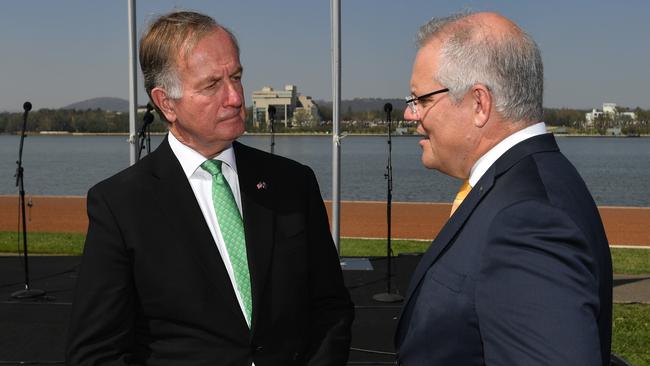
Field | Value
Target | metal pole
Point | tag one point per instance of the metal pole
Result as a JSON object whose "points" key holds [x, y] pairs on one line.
{"points": [[336, 102], [133, 84]]}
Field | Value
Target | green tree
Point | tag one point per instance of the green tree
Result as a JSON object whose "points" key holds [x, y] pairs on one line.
{"points": [[602, 123], [303, 118]]}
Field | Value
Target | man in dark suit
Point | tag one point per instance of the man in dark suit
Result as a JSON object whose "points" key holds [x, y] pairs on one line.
{"points": [[521, 273], [206, 252]]}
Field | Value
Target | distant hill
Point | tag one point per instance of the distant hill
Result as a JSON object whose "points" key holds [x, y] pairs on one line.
{"points": [[365, 104], [104, 103], [352, 105]]}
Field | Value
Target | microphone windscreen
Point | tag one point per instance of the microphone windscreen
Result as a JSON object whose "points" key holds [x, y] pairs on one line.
{"points": [[148, 117], [27, 106], [388, 107]]}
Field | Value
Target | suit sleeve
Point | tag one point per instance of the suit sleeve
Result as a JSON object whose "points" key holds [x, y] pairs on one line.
{"points": [[331, 309], [101, 325], [537, 292]]}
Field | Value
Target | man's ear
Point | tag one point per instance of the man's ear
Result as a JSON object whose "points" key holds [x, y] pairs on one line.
{"points": [[164, 103], [482, 104]]}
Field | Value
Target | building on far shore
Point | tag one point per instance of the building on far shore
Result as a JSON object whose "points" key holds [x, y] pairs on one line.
{"points": [[291, 108], [609, 109]]}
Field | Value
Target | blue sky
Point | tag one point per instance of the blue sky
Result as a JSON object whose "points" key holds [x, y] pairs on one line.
{"points": [[56, 53]]}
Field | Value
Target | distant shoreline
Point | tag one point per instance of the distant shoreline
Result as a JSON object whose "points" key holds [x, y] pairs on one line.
{"points": [[322, 134]]}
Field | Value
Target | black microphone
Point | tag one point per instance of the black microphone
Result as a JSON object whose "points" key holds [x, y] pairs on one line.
{"points": [[388, 108], [271, 112], [148, 116], [27, 106]]}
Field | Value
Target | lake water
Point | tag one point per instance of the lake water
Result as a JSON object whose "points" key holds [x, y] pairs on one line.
{"points": [[616, 170]]}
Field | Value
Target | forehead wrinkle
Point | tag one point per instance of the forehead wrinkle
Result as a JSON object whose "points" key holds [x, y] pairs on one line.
{"points": [[206, 66]]}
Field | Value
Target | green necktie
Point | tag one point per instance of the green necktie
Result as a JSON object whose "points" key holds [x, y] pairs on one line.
{"points": [[232, 230]]}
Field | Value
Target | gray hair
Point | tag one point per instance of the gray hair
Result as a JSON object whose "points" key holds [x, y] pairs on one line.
{"points": [[510, 66], [161, 42]]}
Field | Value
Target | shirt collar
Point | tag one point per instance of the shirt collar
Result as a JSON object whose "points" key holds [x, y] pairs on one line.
{"points": [[486, 161], [191, 159]]}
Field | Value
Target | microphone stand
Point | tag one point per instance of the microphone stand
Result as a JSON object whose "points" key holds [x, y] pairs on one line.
{"points": [[149, 133], [28, 292], [272, 118], [388, 296], [145, 134]]}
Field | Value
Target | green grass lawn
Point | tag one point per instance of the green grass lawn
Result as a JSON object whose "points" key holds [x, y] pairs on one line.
{"points": [[631, 261], [631, 333], [43, 243], [631, 322]]}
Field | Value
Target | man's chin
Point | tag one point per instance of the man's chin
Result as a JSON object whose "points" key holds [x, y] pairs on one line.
{"points": [[235, 125], [428, 162]]}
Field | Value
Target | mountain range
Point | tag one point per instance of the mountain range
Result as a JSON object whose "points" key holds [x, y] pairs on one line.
{"points": [[103, 103], [352, 105]]}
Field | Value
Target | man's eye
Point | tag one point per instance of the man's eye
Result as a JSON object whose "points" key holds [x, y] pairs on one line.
{"points": [[424, 101]]}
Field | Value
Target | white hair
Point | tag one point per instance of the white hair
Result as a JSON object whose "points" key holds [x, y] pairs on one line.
{"points": [[510, 67]]}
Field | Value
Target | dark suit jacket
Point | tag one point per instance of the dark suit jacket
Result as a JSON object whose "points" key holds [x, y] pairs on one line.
{"points": [[152, 287], [520, 274]]}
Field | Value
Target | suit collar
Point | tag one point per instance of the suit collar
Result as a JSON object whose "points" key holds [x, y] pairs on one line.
{"points": [[488, 159], [191, 159], [444, 239], [533, 145]]}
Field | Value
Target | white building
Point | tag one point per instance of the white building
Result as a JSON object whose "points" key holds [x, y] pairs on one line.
{"points": [[608, 109], [286, 102]]}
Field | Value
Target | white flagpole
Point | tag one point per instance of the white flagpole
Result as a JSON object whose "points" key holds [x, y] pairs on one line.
{"points": [[336, 102], [133, 84]]}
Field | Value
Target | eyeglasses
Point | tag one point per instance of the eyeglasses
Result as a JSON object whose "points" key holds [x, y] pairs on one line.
{"points": [[411, 100]]}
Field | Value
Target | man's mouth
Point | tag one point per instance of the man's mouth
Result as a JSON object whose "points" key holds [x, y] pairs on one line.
{"points": [[229, 116]]}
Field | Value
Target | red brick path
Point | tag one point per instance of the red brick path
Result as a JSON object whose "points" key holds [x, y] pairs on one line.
{"points": [[624, 225]]}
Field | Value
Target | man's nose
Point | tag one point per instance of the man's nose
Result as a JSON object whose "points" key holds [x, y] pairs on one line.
{"points": [[409, 115], [234, 96]]}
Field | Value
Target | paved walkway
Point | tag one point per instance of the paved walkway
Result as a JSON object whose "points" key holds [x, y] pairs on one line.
{"points": [[628, 226], [632, 289]]}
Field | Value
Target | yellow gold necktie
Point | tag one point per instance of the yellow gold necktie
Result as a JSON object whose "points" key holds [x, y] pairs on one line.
{"points": [[460, 196]]}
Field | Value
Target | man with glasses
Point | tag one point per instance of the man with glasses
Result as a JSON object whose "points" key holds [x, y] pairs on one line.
{"points": [[521, 273]]}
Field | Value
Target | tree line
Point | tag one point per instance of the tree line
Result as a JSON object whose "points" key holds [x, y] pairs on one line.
{"points": [[100, 121]]}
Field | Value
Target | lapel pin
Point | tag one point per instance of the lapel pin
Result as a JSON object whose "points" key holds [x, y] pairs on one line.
{"points": [[261, 185]]}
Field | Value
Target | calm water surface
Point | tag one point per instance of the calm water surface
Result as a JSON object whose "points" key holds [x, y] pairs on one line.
{"points": [[616, 170]]}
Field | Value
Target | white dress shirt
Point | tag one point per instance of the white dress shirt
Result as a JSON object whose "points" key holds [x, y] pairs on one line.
{"points": [[201, 182], [486, 161]]}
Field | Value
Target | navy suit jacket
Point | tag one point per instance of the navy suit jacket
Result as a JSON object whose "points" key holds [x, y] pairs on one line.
{"points": [[153, 290], [520, 274]]}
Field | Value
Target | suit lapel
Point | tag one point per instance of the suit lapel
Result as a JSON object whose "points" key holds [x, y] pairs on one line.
{"points": [[179, 205], [451, 228], [446, 237], [256, 197]]}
